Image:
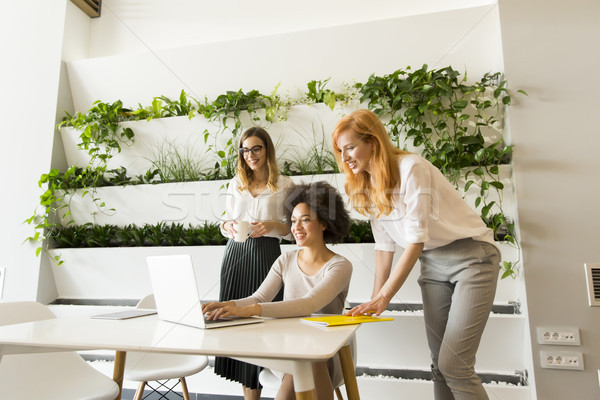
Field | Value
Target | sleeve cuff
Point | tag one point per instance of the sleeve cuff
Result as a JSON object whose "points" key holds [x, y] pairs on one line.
{"points": [[416, 235], [243, 302], [389, 247]]}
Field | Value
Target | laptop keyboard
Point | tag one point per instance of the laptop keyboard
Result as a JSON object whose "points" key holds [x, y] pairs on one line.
{"points": [[212, 321]]}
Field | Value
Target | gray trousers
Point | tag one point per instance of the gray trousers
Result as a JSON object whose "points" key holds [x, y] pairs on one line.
{"points": [[458, 284]]}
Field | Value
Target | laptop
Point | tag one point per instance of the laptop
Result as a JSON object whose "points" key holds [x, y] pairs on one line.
{"points": [[176, 293]]}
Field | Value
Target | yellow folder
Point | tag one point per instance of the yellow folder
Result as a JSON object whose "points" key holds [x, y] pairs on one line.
{"points": [[335, 320]]}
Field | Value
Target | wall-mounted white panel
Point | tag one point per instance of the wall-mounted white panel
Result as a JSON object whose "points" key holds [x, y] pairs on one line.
{"points": [[306, 128], [499, 351], [383, 388], [470, 39], [121, 272], [142, 25]]}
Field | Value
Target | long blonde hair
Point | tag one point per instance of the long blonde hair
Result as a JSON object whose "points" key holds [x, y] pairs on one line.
{"points": [[245, 173], [373, 189]]}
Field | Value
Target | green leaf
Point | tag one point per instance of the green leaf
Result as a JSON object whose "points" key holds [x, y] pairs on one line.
{"points": [[485, 210], [468, 185], [498, 185], [460, 104], [329, 100], [466, 140]]}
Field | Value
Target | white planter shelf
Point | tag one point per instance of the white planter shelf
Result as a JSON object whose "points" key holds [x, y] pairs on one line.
{"points": [[200, 201], [187, 203], [305, 127], [121, 272]]}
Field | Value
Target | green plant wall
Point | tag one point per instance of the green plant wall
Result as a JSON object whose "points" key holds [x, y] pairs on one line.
{"points": [[435, 111]]}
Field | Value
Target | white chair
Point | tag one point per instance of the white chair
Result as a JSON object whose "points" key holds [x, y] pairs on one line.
{"points": [[272, 379], [49, 376], [149, 367]]}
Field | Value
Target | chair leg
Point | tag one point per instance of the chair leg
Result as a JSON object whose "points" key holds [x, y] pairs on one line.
{"points": [[338, 394], [184, 389], [140, 391]]}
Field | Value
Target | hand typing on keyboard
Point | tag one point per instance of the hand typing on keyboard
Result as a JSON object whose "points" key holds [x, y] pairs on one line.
{"points": [[217, 310]]}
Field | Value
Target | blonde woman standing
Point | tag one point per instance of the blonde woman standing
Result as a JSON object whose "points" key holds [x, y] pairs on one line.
{"points": [[412, 205], [256, 194]]}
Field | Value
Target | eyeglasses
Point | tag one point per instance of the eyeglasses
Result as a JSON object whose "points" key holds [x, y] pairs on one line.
{"points": [[254, 149]]}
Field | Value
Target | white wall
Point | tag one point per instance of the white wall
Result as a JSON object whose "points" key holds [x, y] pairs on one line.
{"points": [[32, 34], [550, 50], [137, 26], [345, 53]]}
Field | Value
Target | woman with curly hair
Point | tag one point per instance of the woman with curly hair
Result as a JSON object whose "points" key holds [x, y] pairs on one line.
{"points": [[314, 279], [256, 194], [411, 204]]}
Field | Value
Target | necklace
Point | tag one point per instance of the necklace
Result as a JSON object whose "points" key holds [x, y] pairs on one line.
{"points": [[257, 185]]}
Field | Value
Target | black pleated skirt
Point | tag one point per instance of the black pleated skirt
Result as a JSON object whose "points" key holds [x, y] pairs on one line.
{"points": [[245, 266]]}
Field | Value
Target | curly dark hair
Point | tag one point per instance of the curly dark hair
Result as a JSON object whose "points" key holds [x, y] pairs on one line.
{"points": [[327, 203]]}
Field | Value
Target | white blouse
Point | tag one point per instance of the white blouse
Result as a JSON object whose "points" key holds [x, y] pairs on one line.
{"points": [[267, 206], [427, 209]]}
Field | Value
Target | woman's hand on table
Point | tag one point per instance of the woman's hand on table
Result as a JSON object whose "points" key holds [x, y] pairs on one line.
{"points": [[376, 306]]}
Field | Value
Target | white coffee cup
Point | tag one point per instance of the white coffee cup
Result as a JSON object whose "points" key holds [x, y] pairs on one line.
{"points": [[242, 228]]}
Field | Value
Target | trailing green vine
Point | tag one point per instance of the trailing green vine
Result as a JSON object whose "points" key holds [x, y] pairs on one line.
{"points": [[445, 118], [101, 134], [164, 107], [317, 93]]}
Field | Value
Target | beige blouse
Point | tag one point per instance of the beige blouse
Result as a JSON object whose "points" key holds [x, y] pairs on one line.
{"points": [[324, 293]]}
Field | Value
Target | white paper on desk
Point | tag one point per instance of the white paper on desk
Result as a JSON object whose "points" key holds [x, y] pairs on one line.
{"points": [[138, 312]]}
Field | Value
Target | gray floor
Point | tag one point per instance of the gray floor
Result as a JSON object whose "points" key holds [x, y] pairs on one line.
{"points": [[129, 393]]}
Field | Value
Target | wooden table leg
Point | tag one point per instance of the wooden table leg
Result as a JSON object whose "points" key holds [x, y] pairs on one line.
{"points": [[349, 373], [304, 381], [119, 370], [308, 395]]}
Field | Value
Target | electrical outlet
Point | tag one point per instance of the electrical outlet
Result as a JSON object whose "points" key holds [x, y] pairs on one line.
{"points": [[562, 360], [2, 274], [559, 336]]}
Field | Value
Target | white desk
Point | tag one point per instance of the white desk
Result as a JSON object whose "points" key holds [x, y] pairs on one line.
{"points": [[283, 344]]}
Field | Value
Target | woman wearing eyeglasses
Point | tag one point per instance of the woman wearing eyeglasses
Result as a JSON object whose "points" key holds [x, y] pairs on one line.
{"points": [[256, 194]]}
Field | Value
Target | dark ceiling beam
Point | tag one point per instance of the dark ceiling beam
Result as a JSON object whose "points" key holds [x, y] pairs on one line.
{"points": [[90, 7]]}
